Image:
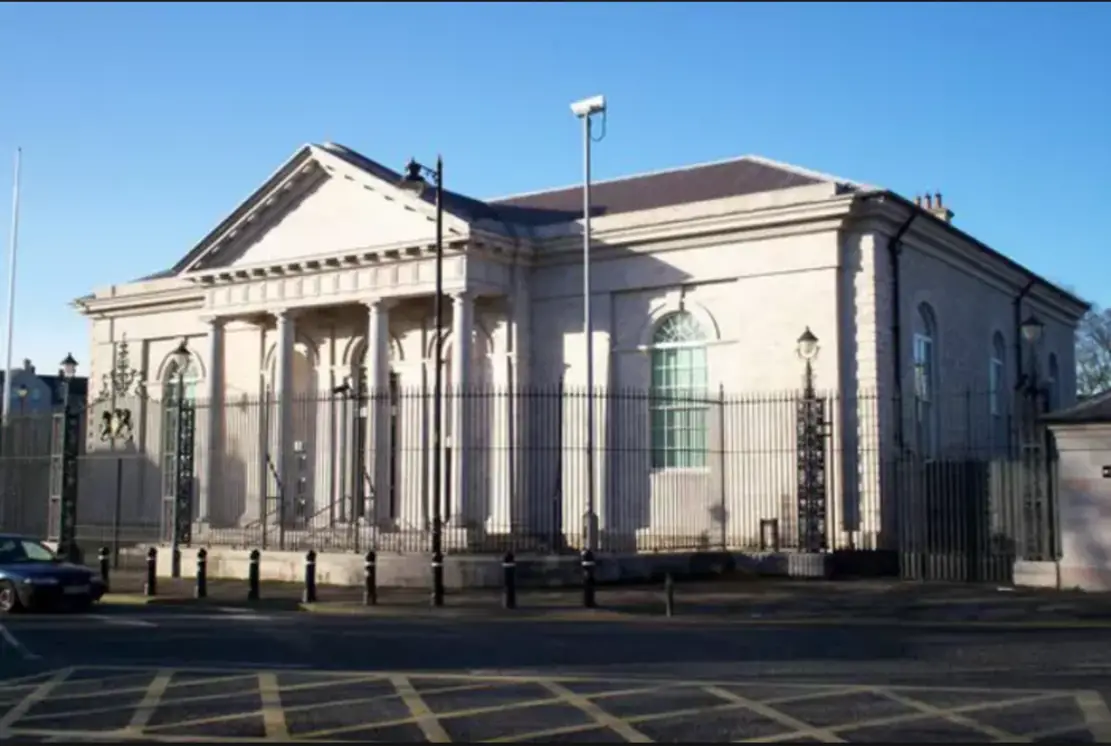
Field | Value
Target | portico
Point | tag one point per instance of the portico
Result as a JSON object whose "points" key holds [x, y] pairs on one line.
{"points": [[343, 339], [377, 337]]}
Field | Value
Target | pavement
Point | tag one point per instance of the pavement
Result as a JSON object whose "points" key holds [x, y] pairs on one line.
{"points": [[757, 602], [160, 674]]}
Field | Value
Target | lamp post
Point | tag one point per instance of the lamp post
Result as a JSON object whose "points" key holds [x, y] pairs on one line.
{"points": [[415, 181], [62, 507], [1034, 448], [182, 512], [584, 110], [811, 431]]}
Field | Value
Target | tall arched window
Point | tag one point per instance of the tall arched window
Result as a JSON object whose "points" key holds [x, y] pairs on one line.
{"points": [[678, 399], [925, 379], [171, 381], [997, 365], [1053, 385]]}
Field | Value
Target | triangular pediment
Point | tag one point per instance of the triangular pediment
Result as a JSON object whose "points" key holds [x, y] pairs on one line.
{"points": [[320, 203]]}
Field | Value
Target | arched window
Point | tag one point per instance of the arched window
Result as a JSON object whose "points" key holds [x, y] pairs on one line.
{"points": [[1053, 385], [175, 385], [997, 388], [678, 402], [925, 379]]}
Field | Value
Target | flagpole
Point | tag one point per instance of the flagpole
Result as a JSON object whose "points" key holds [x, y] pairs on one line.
{"points": [[13, 248]]}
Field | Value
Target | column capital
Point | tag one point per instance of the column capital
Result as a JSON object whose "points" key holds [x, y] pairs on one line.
{"points": [[214, 321], [380, 304], [286, 314], [462, 296]]}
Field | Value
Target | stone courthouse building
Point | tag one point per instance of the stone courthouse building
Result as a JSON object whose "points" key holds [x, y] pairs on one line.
{"points": [[704, 278]]}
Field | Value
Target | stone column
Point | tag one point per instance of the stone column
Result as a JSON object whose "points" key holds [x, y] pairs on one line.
{"points": [[378, 410], [283, 399], [211, 483], [462, 332], [531, 510]]}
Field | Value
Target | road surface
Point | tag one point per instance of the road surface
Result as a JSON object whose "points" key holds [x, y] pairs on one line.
{"points": [[175, 674]]}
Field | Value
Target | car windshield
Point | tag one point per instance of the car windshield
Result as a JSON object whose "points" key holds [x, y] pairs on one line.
{"points": [[23, 550]]}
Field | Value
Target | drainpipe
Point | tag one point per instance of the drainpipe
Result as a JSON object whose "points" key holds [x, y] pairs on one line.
{"points": [[895, 248], [1018, 328]]}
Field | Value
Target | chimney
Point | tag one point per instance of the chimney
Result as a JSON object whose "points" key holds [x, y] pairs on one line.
{"points": [[27, 366], [933, 204]]}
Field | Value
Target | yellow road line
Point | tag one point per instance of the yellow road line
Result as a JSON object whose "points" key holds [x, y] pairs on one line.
{"points": [[145, 711], [903, 719], [947, 714], [67, 736], [596, 713], [24, 682], [215, 719], [38, 694], [760, 708], [273, 717], [635, 720], [141, 689], [473, 711], [424, 717], [1096, 715]]}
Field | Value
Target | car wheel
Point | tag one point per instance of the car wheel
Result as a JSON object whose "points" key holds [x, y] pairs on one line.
{"points": [[9, 598]]}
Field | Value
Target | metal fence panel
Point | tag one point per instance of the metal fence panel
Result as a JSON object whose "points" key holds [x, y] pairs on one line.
{"points": [[958, 497]]}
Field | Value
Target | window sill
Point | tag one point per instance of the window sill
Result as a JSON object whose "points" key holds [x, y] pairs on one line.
{"points": [[680, 470]]}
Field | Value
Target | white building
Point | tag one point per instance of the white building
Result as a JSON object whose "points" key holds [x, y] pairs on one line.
{"points": [[703, 279]]}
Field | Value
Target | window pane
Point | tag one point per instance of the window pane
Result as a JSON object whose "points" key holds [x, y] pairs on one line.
{"points": [[678, 384]]}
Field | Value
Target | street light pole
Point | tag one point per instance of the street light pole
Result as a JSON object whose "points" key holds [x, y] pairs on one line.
{"points": [[584, 110], [414, 180], [813, 530], [182, 512]]}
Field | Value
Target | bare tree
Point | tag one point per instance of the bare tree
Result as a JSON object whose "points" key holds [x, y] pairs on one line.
{"points": [[1093, 352]]}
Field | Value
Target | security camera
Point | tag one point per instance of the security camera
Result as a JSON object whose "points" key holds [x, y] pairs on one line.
{"points": [[588, 106]]}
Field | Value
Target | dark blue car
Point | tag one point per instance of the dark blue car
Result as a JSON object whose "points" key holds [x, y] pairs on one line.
{"points": [[32, 577]]}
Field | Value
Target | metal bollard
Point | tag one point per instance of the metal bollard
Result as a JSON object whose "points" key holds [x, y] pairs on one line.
{"points": [[103, 555], [509, 588], [370, 590], [588, 579], [150, 588], [437, 578], [310, 577], [669, 595], [201, 590], [252, 575]]}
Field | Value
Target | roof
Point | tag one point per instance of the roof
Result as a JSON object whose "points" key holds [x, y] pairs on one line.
{"points": [[78, 385], [1095, 410], [749, 174], [745, 175]]}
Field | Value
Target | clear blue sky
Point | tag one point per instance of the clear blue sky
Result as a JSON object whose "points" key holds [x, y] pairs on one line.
{"points": [[144, 125]]}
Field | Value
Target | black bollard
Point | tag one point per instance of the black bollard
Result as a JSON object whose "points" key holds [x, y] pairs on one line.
{"points": [[370, 590], [309, 596], [201, 590], [437, 578], [150, 588], [103, 556], [669, 595], [509, 588], [588, 579], [252, 575]]}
